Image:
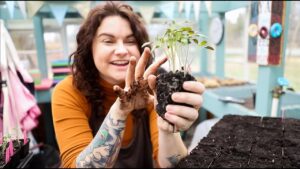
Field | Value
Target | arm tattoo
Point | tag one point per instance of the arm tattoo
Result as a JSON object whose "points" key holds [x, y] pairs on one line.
{"points": [[104, 149], [173, 160]]}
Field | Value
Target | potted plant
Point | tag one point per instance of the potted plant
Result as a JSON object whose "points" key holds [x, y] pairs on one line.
{"points": [[12, 151], [175, 43]]}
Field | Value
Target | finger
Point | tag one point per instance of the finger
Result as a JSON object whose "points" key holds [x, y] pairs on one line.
{"points": [[175, 129], [181, 123], [188, 98], [152, 97], [153, 67], [130, 72], [119, 91], [185, 112], [194, 86], [141, 65], [152, 82], [164, 125], [152, 85]]}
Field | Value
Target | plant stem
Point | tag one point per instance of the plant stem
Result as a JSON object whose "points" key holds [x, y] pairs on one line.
{"points": [[186, 59], [168, 54], [179, 53], [173, 57]]}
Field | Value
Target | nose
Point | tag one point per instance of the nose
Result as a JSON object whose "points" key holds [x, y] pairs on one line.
{"points": [[121, 49]]}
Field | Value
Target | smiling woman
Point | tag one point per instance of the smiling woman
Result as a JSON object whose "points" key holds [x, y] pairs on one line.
{"points": [[103, 114]]}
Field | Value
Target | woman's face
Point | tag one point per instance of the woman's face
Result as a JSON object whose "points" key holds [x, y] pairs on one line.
{"points": [[113, 45]]}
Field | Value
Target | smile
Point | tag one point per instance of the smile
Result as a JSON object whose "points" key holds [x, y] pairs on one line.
{"points": [[120, 62]]}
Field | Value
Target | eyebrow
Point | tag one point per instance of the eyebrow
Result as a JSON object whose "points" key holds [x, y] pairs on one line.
{"points": [[112, 36]]}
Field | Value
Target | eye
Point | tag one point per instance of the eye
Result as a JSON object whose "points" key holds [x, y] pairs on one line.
{"points": [[131, 41], [109, 41]]}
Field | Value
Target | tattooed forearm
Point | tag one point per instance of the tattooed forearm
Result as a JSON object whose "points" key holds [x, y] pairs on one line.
{"points": [[173, 160], [103, 150]]}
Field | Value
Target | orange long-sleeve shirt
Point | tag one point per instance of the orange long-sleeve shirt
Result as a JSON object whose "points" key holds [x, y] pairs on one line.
{"points": [[71, 113]]}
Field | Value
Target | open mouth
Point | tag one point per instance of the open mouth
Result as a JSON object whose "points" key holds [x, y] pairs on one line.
{"points": [[120, 62]]}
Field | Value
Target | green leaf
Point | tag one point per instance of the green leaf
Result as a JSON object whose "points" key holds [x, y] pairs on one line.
{"points": [[191, 32], [196, 41], [167, 31], [184, 41], [177, 36], [186, 29], [203, 43], [209, 47]]}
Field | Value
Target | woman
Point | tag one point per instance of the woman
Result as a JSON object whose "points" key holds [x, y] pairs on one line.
{"points": [[104, 113]]}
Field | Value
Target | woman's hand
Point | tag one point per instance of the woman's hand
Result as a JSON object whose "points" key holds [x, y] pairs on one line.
{"points": [[135, 94], [181, 117]]}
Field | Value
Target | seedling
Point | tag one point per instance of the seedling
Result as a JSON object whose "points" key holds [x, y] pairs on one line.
{"points": [[4, 144], [175, 43]]}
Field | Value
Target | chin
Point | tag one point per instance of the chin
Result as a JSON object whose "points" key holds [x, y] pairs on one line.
{"points": [[119, 81]]}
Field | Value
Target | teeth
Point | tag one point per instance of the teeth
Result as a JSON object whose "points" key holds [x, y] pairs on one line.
{"points": [[121, 62]]}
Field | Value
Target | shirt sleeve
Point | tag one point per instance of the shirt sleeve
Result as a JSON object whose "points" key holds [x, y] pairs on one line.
{"points": [[70, 120]]}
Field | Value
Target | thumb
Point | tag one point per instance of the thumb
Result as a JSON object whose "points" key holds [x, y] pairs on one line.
{"points": [[119, 91]]}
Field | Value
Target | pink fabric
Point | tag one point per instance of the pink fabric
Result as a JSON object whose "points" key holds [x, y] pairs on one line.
{"points": [[21, 110], [26, 76], [23, 106], [1, 138], [45, 85], [61, 70], [7, 155], [9, 151], [1, 127], [11, 147]]}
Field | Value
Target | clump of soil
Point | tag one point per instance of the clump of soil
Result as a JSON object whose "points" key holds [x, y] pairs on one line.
{"points": [[166, 85], [248, 142]]}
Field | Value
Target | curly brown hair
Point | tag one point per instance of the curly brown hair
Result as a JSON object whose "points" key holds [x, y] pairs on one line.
{"points": [[85, 74]]}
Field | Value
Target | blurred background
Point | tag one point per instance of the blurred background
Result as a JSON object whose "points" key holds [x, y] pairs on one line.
{"points": [[61, 21]]}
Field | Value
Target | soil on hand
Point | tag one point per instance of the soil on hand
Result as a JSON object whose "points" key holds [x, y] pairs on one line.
{"points": [[166, 85], [248, 142]]}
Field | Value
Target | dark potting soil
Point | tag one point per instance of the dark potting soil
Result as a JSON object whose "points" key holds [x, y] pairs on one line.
{"points": [[292, 124], [167, 84], [248, 142], [211, 151], [230, 158], [273, 123]]}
